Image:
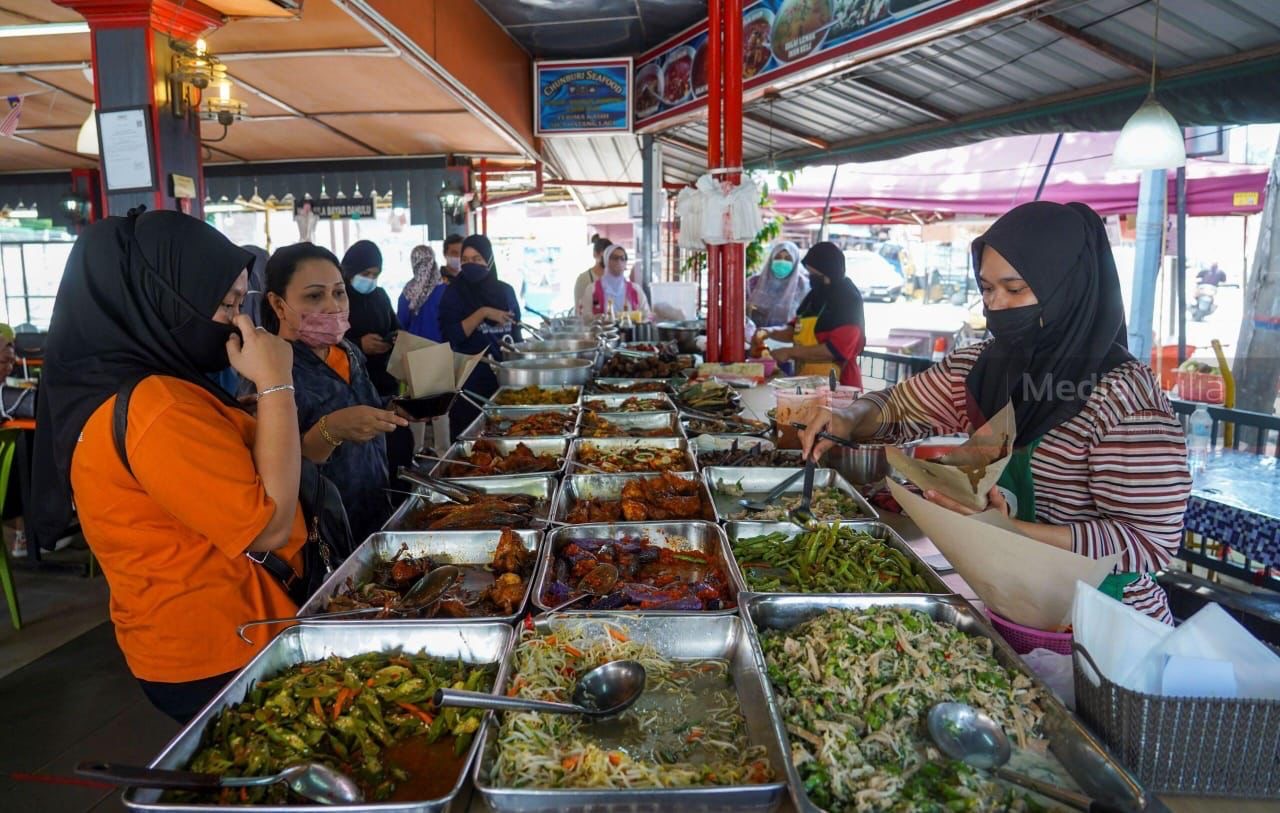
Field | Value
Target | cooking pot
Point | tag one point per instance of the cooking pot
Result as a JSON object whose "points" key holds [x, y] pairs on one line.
{"points": [[551, 348], [684, 334], [861, 465], [543, 372]]}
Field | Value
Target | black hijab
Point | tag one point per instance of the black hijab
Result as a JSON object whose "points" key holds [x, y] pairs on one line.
{"points": [[485, 290], [371, 312], [1047, 358], [837, 302], [252, 306], [118, 319]]}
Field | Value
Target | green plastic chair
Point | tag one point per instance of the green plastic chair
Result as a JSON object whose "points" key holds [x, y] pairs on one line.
{"points": [[8, 445]]}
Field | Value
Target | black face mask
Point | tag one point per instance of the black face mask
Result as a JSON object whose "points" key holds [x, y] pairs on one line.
{"points": [[1020, 325]]}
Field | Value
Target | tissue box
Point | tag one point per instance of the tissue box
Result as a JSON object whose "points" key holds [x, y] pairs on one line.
{"points": [[1183, 745]]}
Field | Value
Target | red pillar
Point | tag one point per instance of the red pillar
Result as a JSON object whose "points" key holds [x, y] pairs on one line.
{"points": [[732, 344], [131, 54], [715, 71]]}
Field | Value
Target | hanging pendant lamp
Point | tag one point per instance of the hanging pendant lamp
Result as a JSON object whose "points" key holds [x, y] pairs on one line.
{"points": [[1151, 138]]}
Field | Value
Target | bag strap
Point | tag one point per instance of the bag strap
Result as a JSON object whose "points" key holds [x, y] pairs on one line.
{"points": [[273, 564]]}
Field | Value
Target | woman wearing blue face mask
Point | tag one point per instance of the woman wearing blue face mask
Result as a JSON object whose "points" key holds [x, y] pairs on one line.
{"points": [[476, 311], [373, 319], [774, 295]]}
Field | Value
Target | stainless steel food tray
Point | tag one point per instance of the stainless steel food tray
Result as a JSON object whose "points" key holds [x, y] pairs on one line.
{"points": [[757, 482], [576, 388], [620, 382], [679, 637], [482, 643], [712, 443], [695, 535], [646, 421], [744, 530], [539, 446], [449, 547], [615, 444], [542, 486], [1083, 756], [485, 425], [613, 403], [608, 487], [727, 427]]}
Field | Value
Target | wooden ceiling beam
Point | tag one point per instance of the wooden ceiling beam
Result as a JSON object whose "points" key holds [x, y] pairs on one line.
{"points": [[1096, 44]]}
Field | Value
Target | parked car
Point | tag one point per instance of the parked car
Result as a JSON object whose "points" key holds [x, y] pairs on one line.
{"points": [[873, 275]]}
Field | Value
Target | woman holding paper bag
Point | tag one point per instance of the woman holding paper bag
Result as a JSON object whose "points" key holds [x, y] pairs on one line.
{"points": [[1099, 463], [341, 415]]}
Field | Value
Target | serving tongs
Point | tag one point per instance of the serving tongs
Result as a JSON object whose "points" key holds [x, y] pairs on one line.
{"points": [[825, 435], [454, 492], [751, 429]]}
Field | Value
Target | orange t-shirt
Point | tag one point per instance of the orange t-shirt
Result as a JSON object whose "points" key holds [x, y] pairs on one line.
{"points": [[171, 542], [339, 362]]}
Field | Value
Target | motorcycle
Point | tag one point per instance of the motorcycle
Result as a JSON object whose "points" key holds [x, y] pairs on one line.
{"points": [[1204, 305]]}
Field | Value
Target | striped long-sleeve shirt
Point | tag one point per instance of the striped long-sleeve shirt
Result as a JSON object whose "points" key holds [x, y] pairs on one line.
{"points": [[1115, 474]]}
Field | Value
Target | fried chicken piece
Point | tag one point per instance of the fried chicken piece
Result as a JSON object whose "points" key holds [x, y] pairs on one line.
{"points": [[511, 555], [635, 510], [452, 608], [675, 507], [407, 571], [506, 593]]}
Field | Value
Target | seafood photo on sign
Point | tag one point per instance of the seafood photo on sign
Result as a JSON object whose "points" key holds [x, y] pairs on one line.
{"points": [[700, 70], [799, 28], [853, 15], [756, 26], [648, 89], [677, 76]]}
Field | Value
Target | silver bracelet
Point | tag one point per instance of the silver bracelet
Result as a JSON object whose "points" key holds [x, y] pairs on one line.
{"points": [[280, 388]]}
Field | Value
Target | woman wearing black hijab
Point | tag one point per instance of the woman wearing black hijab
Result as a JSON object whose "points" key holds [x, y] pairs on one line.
{"points": [[829, 330], [1099, 465], [477, 310], [373, 319], [152, 302]]}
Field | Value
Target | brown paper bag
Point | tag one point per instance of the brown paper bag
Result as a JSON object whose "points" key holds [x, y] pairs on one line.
{"points": [[429, 368], [966, 474], [1025, 581]]}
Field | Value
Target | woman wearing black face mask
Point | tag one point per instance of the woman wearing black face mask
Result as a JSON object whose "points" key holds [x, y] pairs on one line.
{"points": [[154, 302], [829, 330], [477, 310], [1099, 465], [373, 319]]}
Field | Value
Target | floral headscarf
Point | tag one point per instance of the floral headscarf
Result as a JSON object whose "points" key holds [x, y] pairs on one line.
{"points": [[426, 276]]}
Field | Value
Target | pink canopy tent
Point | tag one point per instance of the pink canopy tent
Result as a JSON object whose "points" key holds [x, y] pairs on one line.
{"points": [[991, 177]]}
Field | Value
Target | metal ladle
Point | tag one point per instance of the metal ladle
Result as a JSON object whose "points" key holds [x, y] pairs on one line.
{"points": [[310, 780], [606, 691], [598, 582], [964, 733], [801, 514], [425, 591]]}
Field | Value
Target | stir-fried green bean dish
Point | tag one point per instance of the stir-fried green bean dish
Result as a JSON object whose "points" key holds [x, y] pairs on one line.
{"points": [[854, 689], [827, 559], [368, 716]]}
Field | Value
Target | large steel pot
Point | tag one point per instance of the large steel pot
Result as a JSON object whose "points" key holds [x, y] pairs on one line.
{"points": [[543, 372], [552, 349], [684, 334], [861, 465]]}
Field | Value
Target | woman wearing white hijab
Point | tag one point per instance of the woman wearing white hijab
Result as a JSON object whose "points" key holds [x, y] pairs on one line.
{"points": [[613, 291], [774, 295]]}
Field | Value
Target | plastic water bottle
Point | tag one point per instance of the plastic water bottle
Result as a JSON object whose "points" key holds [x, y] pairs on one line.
{"points": [[1199, 429], [939, 349]]}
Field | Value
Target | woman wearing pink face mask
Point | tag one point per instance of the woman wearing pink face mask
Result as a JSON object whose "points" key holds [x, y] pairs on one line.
{"points": [[340, 413]]}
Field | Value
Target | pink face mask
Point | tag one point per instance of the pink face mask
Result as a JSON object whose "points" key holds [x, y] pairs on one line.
{"points": [[318, 330]]}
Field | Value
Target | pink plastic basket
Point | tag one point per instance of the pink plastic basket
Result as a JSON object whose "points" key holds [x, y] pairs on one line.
{"points": [[1024, 639]]}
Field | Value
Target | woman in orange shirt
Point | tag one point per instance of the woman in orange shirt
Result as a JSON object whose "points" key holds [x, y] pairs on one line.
{"points": [[340, 412], [153, 301]]}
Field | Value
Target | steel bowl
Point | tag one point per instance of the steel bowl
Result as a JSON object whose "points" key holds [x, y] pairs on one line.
{"points": [[684, 334], [552, 349], [543, 372], [861, 465]]}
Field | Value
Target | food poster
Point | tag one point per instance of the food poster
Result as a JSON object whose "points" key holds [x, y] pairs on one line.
{"points": [[582, 96], [776, 34]]}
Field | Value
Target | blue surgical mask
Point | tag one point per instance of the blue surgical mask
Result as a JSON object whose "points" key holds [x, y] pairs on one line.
{"points": [[363, 284], [781, 268]]}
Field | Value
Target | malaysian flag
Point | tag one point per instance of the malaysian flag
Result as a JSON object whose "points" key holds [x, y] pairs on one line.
{"points": [[10, 124]]}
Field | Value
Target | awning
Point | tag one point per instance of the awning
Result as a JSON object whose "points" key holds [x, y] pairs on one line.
{"points": [[992, 177]]}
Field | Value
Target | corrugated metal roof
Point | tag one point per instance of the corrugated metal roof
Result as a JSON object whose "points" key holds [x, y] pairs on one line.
{"points": [[596, 158], [1087, 57]]}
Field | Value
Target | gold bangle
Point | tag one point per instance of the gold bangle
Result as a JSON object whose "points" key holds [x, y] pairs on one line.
{"points": [[324, 433]]}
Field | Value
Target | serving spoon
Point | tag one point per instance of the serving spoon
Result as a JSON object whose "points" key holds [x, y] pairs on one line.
{"points": [[767, 503], [310, 780], [598, 582], [606, 691]]}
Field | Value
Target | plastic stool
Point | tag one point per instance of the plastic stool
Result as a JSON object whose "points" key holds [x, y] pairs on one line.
{"points": [[8, 445]]}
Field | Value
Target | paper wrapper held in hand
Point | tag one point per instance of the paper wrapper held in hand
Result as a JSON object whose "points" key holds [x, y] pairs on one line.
{"points": [[966, 474], [1025, 581], [429, 368]]}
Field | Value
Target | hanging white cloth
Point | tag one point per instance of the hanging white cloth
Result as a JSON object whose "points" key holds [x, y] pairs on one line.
{"points": [[689, 209], [716, 230], [744, 212]]}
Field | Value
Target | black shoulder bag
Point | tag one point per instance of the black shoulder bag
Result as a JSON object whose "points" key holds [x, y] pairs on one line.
{"points": [[329, 540]]}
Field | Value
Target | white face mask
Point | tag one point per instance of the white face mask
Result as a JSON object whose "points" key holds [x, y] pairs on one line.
{"points": [[455, 263]]}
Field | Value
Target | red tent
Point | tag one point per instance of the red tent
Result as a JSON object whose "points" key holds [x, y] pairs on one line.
{"points": [[992, 177]]}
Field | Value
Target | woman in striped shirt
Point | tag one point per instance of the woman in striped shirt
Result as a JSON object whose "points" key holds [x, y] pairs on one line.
{"points": [[1100, 463]]}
